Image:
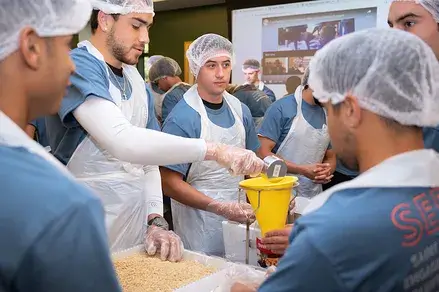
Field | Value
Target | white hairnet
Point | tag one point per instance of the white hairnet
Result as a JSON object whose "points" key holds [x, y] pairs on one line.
{"points": [[431, 6], [152, 60], [392, 73], [49, 18], [164, 67], [251, 65], [123, 6], [305, 77], [206, 47]]}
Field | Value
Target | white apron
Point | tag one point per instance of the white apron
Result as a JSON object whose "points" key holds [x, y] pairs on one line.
{"points": [[119, 185], [199, 230], [261, 86], [304, 145], [411, 169], [12, 135]]}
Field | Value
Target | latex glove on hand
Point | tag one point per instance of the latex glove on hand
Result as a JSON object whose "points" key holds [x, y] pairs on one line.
{"points": [[278, 240], [312, 170], [240, 287], [239, 161], [237, 212], [167, 243]]}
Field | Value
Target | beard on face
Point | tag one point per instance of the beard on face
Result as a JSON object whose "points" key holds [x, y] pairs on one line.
{"points": [[118, 50]]}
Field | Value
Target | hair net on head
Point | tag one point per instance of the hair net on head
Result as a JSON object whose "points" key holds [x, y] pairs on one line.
{"points": [[123, 6], [305, 77], [207, 47], [251, 65], [431, 6], [392, 73], [49, 18], [164, 67], [152, 60]]}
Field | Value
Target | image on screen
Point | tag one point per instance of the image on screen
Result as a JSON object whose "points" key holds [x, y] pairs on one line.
{"points": [[289, 42]]}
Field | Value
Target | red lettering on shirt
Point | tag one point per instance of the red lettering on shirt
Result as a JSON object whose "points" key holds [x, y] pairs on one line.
{"points": [[426, 207], [434, 194], [411, 226]]}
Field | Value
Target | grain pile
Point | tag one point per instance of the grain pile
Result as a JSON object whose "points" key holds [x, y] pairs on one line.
{"points": [[141, 273]]}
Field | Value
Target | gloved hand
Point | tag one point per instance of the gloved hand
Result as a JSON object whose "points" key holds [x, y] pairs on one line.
{"points": [[167, 243], [239, 161], [237, 212]]}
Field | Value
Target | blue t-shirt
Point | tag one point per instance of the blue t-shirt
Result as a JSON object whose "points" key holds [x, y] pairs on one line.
{"points": [[343, 169], [371, 239], [89, 80], [40, 129], [53, 235], [172, 98], [269, 93], [184, 121], [279, 118], [256, 100], [431, 138]]}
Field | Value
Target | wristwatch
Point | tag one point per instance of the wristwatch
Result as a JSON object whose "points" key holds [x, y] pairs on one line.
{"points": [[159, 222]]}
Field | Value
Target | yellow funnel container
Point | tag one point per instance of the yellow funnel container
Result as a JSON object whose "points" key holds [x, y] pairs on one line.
{"points": [[270, 200]]}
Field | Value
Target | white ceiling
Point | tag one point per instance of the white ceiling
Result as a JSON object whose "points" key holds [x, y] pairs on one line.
{"points": [[164, 5]]}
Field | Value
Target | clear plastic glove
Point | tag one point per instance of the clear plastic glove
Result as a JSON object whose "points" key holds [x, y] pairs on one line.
{"points": [[237, 212], [239, 161], [167, 243], [241, 278]]}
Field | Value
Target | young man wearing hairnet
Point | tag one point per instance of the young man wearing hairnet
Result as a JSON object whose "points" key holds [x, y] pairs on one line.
{"points": [[52, 229], [106, 132], [295, 129], [378, 232], [204, 193], [420, 17], [252, 69], [152, 88], [165, 75]]}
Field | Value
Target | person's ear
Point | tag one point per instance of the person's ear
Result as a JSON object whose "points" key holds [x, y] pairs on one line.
{"points": [[105, 21], [31, 47], [351, 111]]}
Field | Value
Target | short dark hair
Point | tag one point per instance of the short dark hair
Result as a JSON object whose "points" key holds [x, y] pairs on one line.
{"points": [[94, 23], [292, 83]]}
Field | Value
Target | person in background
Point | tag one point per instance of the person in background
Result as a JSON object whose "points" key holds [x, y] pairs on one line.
{"points": [[204, 193], [152, 88], [393, 202], [252, 69], [165, 73], [36, 129], [421, 18], [341, 174], [256, 100], [107, 134], [294, 128], [52, 233], [292, 83]]}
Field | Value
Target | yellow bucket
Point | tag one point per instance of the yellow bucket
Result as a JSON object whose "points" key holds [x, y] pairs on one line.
{"points": [[270, 200]]}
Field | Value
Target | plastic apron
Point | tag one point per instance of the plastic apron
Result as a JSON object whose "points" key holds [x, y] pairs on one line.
{"points": [[119, 185], [200, 230], [304, 145], [12, 135], [410, 169]]}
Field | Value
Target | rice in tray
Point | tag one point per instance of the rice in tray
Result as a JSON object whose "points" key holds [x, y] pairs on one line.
{"points": [[141, 273]]}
